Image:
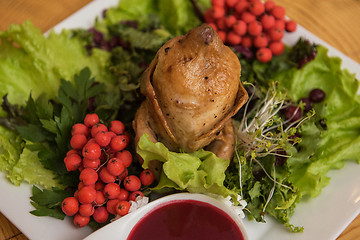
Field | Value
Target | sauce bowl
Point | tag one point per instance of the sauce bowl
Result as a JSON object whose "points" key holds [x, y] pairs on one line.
{"points": [[169, 211]]}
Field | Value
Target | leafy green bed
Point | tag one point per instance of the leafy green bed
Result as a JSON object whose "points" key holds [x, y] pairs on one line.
{"points": [[46, 83]]}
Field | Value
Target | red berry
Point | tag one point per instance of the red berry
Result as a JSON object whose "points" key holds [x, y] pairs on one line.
{"points": [[81, 185], [111, 204], [76, 194], [222, 35], [111, 190], [263, 55], [221, 23], [78, 141], [91, 163], [134, 195], [220, 3], [276, 48], [208, 17], [98, 128], [230, 21], [72, 162], [100, 214], [307, 107], [105, 176], [99, 185], [72, 151], [317, 95], [87, 195], [147, 177], [70, 206], [111, 134], [241, 6], [279, 24], [124, 195], [81, 221], [257, 8], [247, 41], [240, 27], [88, 176], [218, 12], [80, 128], [117, 127], [260, 41], [267, 21], [86, 210], [91, 119], [231, 3], [269, 5], [115, 166], [293, 113], [122, 208], [254, 28], [91, 151], [290, 26], [118, 143], [124, 174], [276, 34], [100, 198], [278, 12], [248, 17], [213, 25], [132, 183], [102, 138], [233, 38]]}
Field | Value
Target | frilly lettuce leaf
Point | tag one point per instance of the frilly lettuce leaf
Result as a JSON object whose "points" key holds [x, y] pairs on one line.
{"points": [[10, 149], [30, 169], [324, 147], [33, 63], [200, 172], [178, 16]]}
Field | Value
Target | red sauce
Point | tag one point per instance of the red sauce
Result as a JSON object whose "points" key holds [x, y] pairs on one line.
{"points": [[186, 219]]}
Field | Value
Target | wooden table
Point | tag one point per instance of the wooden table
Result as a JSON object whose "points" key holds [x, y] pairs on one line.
{"points": [[336, 22]]}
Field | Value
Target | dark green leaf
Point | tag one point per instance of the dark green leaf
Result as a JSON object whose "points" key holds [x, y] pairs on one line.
{"points": [[48, 198], [49, 125], [30, 110], [42, 211], [44, 109], [33, 133], [47, 202]]}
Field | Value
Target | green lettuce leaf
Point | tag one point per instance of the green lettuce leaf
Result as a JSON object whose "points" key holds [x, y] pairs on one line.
{"points": [[324, 147], [31, 62], [10, 149], [30, 169], [178, 16], [201, 171]]}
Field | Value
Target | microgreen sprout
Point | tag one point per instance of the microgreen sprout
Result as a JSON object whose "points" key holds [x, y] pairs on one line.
{"points": [[262, 132]]}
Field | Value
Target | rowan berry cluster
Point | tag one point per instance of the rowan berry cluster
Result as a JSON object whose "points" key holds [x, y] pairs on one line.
{"points": [[251, 23], [105, 187]]}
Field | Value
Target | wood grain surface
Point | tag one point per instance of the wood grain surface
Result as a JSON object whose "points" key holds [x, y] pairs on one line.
{"points": [[335, 21]]}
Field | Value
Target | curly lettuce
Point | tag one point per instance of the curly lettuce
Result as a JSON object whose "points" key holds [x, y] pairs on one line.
{"points": [[33, 63], [200, 172]]}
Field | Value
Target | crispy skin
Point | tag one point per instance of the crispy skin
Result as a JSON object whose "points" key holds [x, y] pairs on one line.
{"points": [[192, 90]]}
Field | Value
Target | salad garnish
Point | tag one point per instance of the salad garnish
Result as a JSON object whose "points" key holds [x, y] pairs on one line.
{"points": [[287, 139]]}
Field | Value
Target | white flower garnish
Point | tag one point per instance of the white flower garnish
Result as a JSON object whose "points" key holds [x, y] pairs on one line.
{"points": [[134, 205], [238, 209], [138, 203]]}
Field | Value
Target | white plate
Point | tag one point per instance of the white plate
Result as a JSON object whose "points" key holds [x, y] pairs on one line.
{"points": [[325, 217]]}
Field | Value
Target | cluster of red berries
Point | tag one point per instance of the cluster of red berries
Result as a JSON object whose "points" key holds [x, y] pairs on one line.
{"points": [[104, 186], [250, 23]]}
